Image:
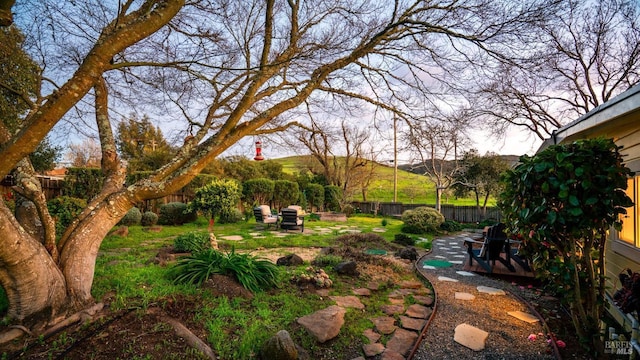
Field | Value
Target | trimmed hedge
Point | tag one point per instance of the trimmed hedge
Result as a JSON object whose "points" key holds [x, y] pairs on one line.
{"points": [[132, 217], [175, 213], [149, 218], [422, 220]]}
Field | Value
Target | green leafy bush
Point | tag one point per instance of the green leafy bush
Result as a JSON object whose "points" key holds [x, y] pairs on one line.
{"points": [[132, 217], [315, 196], [64, 209], [332, 197], [285, 193], [404, 239], [82, 183], [257, 191], [217, 196], [253, 273], [176, 213], [421, 220], [231, 216], [192, 242], [450, 225], [149, 218]]}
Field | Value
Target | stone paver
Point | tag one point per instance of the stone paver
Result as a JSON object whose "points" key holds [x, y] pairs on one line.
{"points": [[362, 292], [464, 296], [392, 309], [445, 278], [424, 300], [384, 324], [349, 301], [523, 316], [411, 323], [372, 335], [231, 237], [372, 349], [465, 273], [324, 324], [402, 341], [490, 290], [418, 311], [391, 355], [470, 336]]}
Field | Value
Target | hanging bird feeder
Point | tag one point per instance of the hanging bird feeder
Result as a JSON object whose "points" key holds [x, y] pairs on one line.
{"points": [[258, 156]]}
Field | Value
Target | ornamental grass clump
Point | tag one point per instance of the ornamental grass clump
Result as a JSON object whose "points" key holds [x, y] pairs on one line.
{"points": [[253, 273], [192, 242]]}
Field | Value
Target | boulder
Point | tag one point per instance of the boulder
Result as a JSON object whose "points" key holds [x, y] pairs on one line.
{"points": [[347, 268], [408, 253], [290, 260], [279, 347]]}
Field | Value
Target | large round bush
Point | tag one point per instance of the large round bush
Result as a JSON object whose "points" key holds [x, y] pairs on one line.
{"points": [[176, 213], [149, 218], [421, 220], [132, 217]]}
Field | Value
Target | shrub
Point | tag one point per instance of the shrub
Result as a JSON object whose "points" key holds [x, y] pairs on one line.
{"points": [[176, 213], [253, 273], [231, 216], [315, 195], [384, 222], [332, 197], [404, 239], [132, 217], [348, 210], [64, 209], [82, 183], [450, 225], [257, 191], [216, 197], [149, 218], [421, 220], [285, 193], [192, 242]]}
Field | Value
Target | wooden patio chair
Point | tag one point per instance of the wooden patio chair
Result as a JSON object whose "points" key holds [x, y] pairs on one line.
{"points": [[494, 243], [291, 220]]}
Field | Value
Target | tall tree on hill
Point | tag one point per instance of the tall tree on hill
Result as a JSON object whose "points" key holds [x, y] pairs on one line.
{"points": [[227, 70], [480, 175], [585, 55]]}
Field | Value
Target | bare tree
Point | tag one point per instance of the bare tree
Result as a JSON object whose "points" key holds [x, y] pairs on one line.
{"points": [[85, 154], [435, 146], [586, 54], [223, 69]]}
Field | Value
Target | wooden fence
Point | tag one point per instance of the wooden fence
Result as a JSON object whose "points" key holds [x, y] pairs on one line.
{"points": [[463, 214]]}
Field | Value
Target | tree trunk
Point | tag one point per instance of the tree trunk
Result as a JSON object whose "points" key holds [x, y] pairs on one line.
{"points": [[29, 275]]}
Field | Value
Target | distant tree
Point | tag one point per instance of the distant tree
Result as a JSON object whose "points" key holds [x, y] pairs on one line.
{"points": [[85, 154], [45, 157], [142, 144], [480, 175], [285, 193], [241, 168], [435, 145], [257, 191], [215, 197], [315, 196]]}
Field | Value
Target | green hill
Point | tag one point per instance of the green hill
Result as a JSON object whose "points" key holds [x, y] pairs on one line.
{"points": [[412, 187]]}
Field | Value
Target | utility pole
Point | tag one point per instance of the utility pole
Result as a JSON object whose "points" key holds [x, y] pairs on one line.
{"points": [[395, 160]]}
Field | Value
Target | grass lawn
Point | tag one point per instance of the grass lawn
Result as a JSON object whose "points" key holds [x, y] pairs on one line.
{"points": [[127, 276]]}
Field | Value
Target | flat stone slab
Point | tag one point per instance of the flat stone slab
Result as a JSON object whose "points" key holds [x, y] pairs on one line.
{"points": [[440, 257], [324, 324], [384, 324], [392, 309], [523, 316], [425, 300], [429, 267], [232, 237], [411, 284], [470, 336], [444, 278], [361, 292], [391, 355], [402, 341], [349, 301], [379, 230], [323, 292], [465, 273], [457, 262], [491, 291], [372, 336], [372, 349], [464, 296], [410, 323], [418, 311]]}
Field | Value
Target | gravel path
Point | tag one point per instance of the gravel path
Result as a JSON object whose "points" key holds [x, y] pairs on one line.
{"points": [[508, 336]]}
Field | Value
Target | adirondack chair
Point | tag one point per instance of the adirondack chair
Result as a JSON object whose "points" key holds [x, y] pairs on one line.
{"points": [[263, 216], [494, 243], [291, 220]]}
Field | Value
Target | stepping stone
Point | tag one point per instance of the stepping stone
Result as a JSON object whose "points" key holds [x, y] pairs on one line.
{"points": [[232, 237], [402, 341], [470, 336], [418, 311], [372, 336], [348, 301], [491, 291], [384, 324], [401, 293], [411, 323], [372, 349], [373, 285], [324, 324], [465, 273], [378, 230], [429, 267], [423, 300], [523, 316], [392, 309], [411, 284], [440, 257], [391, 355], [397, 301], [443, 247], [464, 296], [459, 256], [444, 278], [362, 292], [456, 262], [323, 292]]}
